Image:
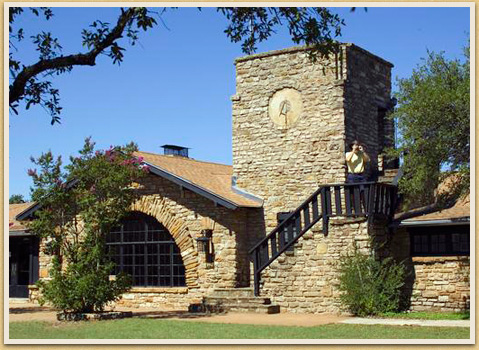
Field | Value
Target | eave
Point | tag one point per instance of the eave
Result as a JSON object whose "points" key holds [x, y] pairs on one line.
{"points": [[439, 222]]}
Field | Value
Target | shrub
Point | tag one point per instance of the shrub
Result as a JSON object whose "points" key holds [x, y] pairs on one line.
{"points": [[370, 286], [82, 286], [79, 204]]}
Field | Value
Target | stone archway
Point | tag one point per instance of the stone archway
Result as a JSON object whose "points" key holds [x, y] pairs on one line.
{"points": [[156, 207]]}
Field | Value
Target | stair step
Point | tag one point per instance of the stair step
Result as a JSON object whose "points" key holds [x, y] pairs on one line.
{"points": [[18, 300], [233, 292], [213, 299], [260, 309], [234, 300], [248, 307]]}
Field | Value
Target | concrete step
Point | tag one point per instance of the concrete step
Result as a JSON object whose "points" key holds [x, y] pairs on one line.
{"points": [[18, 301], [234, 300], [233, 292], [212, 299], [259, 309], [244, 307]]}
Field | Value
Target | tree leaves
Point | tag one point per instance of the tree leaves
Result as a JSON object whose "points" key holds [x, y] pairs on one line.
{"points": [[315, 26], [48, 46], [16, 199], [79, 205], [433, 121]]}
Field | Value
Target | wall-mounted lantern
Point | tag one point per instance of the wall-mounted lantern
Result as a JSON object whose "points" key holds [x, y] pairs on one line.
{"points": [[204, 244], [203, 241]]}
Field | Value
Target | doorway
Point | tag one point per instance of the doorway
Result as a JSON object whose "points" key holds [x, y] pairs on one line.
{"points": [[23, 260]]}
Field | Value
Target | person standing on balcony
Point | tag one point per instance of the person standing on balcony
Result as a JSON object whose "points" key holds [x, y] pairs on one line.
{"points": [[356, 161]]}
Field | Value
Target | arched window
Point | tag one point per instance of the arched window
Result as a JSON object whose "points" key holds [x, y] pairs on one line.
{"points": [[143, 248]]}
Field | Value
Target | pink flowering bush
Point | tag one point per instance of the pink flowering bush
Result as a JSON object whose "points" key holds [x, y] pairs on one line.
{"points": [[94, 188]]}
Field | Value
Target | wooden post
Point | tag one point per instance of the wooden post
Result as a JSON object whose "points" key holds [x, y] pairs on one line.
{"points": [[314, 204], [347, 199], [307, 220], [324, 211], [337, 200], [274, 248], [297, 222]]}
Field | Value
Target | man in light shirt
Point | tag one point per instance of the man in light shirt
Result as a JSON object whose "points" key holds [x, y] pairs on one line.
{"points": [[356, 161]]}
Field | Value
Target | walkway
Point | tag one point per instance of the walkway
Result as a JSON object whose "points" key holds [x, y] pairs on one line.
{"points": [[32, 312], [404, 322]]}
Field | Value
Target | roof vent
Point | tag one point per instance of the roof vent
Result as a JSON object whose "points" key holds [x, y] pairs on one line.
{"points": [[175, 150]]}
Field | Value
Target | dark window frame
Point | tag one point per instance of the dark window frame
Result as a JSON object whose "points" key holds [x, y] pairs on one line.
{"points": [[439, 240], [147, 252]]}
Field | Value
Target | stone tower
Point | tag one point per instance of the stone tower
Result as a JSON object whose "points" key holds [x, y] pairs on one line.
{"points": [[293, 119]]}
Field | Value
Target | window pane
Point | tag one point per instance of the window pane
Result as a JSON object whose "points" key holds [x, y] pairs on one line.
{"points": [[140, 260], [146, 241], [460, 242], [441, 244], [440, 241], [424, 244], [164, 259]]}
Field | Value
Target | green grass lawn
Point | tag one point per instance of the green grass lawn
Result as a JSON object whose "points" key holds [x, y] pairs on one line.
{"points": [[169, 329], [428, 315]]}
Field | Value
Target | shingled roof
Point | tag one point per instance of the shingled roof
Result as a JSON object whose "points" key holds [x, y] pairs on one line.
{"points": [[211, 180], [13, 211], [461, 211]]}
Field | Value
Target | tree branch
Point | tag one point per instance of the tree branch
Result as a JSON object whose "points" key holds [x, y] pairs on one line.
{"points": [[419, 212], [17, 88]]}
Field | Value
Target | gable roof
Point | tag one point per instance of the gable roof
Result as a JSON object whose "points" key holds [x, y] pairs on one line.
{"points": [[210, 180], [13, 211]]}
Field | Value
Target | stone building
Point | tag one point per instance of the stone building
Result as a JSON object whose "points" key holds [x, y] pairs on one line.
{"points": [[436, 250], [283, 204]]}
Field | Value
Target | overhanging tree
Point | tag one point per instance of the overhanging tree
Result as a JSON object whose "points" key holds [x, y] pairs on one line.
{"points": [[433, 119], [31, 84], [80, 203]]}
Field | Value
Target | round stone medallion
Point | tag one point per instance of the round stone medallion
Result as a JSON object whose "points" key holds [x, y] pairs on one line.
{"points": [[285, 107]]}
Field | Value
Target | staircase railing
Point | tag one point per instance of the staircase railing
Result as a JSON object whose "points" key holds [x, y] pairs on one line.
{"points": [[365, 199]]}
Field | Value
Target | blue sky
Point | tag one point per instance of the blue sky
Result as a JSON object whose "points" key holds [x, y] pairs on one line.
{"points": [[175, 86]]}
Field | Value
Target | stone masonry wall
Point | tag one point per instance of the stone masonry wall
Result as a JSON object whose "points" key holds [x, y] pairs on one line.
{"points": [[367, 88], [183, 213], [284, 157], [188, 210], [44, 265], [306, 280], [284, 165], [340, 99], [439, 283]]}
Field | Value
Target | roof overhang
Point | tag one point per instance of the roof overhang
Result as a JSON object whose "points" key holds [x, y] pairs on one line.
{"points": [[28, 212], [442, 222], [25, 214], [20, 233], [191, 186]]}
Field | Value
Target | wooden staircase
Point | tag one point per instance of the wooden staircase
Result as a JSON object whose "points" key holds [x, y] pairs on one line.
{"points": [[350, 200]]}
